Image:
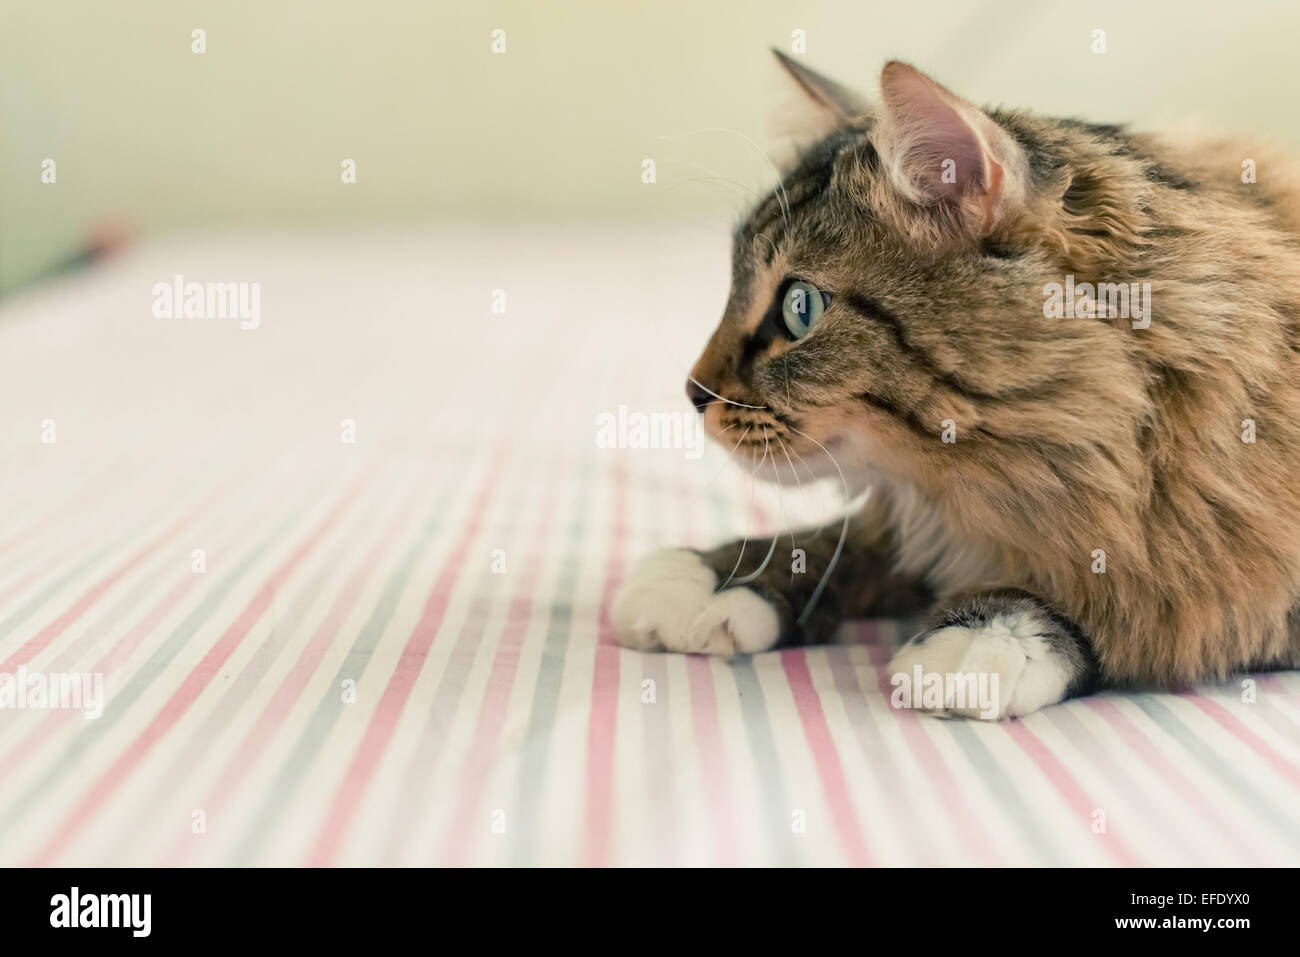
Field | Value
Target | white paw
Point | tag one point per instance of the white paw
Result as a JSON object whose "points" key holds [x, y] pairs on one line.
{"points": [[667, 602], [1002, 668]]}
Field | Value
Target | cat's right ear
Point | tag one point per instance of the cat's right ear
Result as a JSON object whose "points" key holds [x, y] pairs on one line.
{"points": [[941, 151], [833, 105]]}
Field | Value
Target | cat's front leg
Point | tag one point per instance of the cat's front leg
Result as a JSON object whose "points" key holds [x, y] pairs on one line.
{"points": [[1022, 654], [757, 594]]}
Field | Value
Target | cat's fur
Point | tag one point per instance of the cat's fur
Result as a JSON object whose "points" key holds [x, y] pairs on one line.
{"points": [[1074, 436]]}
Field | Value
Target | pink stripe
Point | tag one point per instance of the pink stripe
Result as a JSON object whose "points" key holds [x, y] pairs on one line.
{"points": [[972, 830], [102, 498], [1272, 684], [496, 699], [108, 663], [1230, 722], [1164, 769], [409, 665], [827, 759], [42, 639], [713, 757], [287, 694], [185, 764], [121, 650], [1065, 785], [53, 720], [191, 687], [658, 768], [604, 691], [127, 644], [714, 765], [32, 575]]}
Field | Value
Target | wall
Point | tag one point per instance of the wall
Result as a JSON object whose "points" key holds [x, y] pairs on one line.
{"points": [[253, 131]]}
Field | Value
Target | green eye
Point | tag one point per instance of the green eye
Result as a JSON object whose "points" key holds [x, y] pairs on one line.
{"points": [[802, 306]]}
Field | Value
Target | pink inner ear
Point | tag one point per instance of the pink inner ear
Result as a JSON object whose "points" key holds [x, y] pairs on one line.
{"points": [[929, 131]]}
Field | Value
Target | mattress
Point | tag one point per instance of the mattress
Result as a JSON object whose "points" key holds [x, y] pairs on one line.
{"points": [[344, 575]]}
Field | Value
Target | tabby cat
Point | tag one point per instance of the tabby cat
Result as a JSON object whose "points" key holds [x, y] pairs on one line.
{"points": [[1082, 497]]}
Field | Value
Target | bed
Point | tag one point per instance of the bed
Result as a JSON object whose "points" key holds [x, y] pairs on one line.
{"points": [[344, 575]]}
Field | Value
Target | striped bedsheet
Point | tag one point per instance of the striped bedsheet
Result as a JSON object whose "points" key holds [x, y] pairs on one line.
{"points": [[344, 577]]}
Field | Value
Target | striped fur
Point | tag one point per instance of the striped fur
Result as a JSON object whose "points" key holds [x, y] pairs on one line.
{"points": [[1073, 436]]}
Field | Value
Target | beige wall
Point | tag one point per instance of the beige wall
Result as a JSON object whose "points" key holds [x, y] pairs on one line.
{"points": [[253, 131]]}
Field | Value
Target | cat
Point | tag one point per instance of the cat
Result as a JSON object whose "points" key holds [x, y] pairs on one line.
{"points": [[1080, 498]]}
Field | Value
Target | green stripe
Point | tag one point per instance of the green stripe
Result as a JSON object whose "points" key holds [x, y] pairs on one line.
{"points": [[1213, 761], [117, 705], [331, 705], [758, 729], [535, 749], [1006, 790]]}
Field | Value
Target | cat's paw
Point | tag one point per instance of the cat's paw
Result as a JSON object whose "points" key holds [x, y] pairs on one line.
{"points": [[667, 603], [1002, 667]]}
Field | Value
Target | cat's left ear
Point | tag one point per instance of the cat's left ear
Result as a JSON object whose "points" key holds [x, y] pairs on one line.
{"points": [[833, 104], [939, 149]]}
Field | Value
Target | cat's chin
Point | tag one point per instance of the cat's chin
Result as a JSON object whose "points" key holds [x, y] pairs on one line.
{"points": [[791, 467], [848, 461], [773, 468]]}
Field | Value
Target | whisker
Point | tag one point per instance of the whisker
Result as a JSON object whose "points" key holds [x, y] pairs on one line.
{"points": [[745, 580], [744, 540], [780, 502], [711, 175], [704, 179], [812, 477], [771, 550], [760, 461], [728, 458], [761, 408], [782, 198], [811, 474], [750, 498], [794, 472], [799, 482], [844, 532]]}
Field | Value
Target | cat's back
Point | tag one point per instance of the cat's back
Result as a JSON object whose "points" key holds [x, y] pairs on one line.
{"points": [[1256, 176]]}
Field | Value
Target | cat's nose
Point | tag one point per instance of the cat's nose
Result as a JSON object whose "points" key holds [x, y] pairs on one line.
{"points": [[698, 395]]}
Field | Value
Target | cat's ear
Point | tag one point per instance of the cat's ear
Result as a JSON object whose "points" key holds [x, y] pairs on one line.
{"points": [[939, 149], [833, 105]]}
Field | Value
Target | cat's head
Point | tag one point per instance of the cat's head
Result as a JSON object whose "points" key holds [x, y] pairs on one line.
{"points": [[888, 295]]}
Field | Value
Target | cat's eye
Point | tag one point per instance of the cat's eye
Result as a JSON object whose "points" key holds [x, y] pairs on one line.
{"points": [[802, 306]]}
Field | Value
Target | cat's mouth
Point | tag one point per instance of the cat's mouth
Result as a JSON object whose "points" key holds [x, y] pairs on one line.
{"points": [[772, 445]]}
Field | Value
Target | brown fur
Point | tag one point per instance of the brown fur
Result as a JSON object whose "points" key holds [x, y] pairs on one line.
{"points": [[1073, 434]]}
